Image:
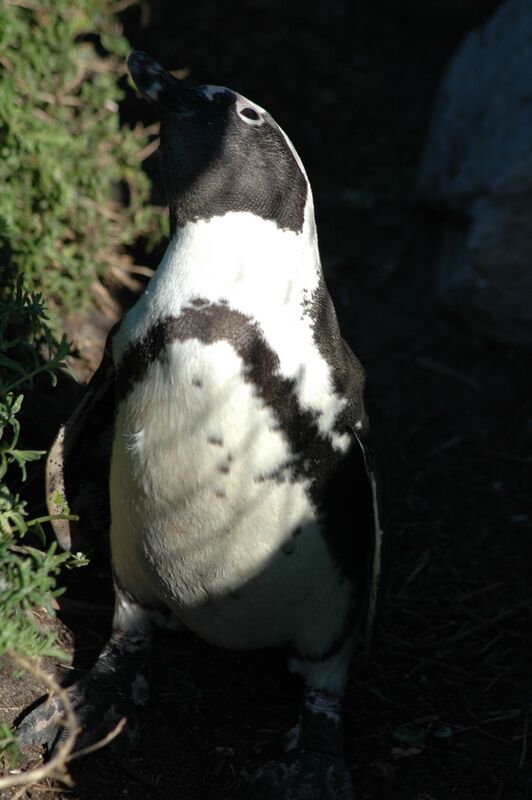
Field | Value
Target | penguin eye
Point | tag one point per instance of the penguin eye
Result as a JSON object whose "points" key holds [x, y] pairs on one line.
{"points": [[250, 113]]}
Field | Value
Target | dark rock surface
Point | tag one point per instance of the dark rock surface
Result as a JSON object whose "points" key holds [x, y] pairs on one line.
{"points": [[477, 166]]}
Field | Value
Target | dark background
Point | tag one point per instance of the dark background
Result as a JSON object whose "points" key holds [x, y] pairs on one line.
{"points": [[352, 84]]}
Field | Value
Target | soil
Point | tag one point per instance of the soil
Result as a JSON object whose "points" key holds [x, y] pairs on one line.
{"points": [[441, 709]]}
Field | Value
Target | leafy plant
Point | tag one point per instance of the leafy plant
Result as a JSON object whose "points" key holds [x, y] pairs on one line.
{"points": [[27, 574], [73, 196]]}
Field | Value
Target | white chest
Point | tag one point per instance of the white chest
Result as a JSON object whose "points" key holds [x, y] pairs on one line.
{"points": [[195, 515]]}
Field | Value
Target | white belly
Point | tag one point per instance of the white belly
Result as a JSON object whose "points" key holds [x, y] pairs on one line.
{"points": [[196, 521]]}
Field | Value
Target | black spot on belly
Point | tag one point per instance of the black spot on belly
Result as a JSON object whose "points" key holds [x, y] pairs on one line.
{"points": [[280, 475], [216, 440], [220, 494], [224, 468], [197, 382]]}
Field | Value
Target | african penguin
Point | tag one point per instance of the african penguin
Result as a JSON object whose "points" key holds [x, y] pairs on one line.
{"points": [[226, 433]]}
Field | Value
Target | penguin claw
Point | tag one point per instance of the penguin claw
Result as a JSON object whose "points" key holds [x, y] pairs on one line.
{"points": [[302, 775], [42, 725], [96, 713]]}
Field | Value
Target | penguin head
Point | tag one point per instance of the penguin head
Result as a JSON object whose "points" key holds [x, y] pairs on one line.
{"points": [[220, 152]]}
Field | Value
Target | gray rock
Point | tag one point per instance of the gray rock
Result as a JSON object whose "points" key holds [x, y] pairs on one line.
{"points": [[477, 165]]}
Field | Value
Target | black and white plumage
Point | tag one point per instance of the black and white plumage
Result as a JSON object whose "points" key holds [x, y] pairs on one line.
{"points": [[225, 429]]}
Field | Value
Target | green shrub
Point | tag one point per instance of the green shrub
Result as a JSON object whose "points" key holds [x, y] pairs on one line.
{"points": [[27, 574], [65, 165]]}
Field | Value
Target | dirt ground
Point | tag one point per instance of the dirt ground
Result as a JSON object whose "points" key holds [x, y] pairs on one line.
{"points": [[442, 708]]}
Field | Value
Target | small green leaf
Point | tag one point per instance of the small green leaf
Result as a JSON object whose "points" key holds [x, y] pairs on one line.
{"points": [[77, 560], [441, 731], [411, 733], [9, 748]]}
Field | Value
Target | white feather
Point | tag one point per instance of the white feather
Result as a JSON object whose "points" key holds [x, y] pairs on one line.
{"points": [[263, 272]]}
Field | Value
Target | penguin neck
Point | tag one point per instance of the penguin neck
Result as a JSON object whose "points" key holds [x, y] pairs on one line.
{"points": [[238, 258]]}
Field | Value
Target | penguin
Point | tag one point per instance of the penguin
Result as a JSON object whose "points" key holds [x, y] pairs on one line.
{"points": [[225, 440]]}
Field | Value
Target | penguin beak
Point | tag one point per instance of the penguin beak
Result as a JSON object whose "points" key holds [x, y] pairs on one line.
{"points": [[158, 86]]}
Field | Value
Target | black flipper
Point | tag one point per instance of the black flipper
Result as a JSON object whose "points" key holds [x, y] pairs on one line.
{"points": [[348, 486]]}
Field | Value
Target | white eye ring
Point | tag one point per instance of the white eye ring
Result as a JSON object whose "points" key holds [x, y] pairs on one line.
{"points": [[249, 113]]}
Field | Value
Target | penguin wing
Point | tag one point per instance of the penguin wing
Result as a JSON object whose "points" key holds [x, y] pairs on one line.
{"points": [[352, 383], [78, 464], [359, 480]]}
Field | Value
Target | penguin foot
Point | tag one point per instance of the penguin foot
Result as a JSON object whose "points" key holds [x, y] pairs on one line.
{"points": [[110, 691], [302, 775], [98, 710]]}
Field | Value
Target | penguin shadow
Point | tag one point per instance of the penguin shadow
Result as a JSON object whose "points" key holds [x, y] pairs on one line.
{"points": [[180, 751], [212, 717]]}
